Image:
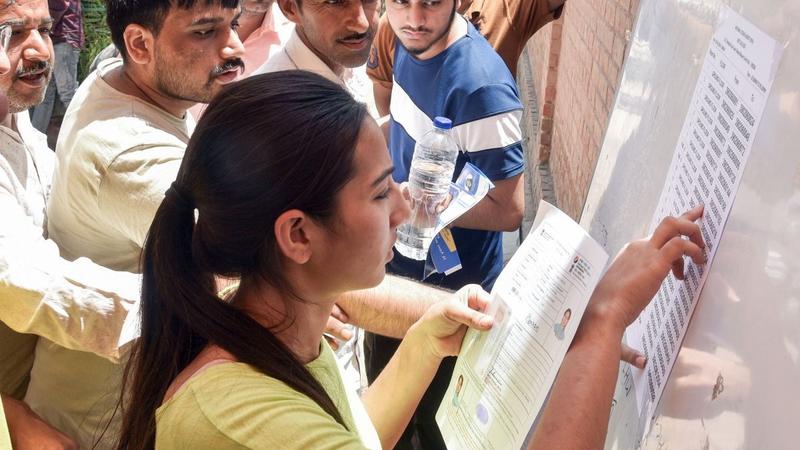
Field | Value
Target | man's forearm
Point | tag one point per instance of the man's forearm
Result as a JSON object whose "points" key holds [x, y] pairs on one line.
{"points": [[392, 307], [501, 210], [490, 215], [383, 96], [27, 430], [76, 304]]}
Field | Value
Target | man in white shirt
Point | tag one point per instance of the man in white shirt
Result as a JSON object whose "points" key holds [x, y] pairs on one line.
{"points": [[263, 30], [43, 297], [119, 148], [121, 143], [332, 40]]}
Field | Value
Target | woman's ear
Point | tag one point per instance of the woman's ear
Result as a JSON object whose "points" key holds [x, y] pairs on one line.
{"points": [[292, 234]]}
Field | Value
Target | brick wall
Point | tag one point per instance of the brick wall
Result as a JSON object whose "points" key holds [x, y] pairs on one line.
{"points": [[544, 49], [577, 62]]}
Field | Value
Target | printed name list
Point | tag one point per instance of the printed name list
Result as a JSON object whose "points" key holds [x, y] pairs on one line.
{"points": [[708, 163]]}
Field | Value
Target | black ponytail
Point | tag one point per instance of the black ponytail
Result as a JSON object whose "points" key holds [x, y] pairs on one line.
{"points": [[265, 145]]}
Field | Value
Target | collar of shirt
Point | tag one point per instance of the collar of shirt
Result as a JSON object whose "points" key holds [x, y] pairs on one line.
{"points": [[30, 135], [40, 172], [296, 55], [305, 59], [182, 127]]}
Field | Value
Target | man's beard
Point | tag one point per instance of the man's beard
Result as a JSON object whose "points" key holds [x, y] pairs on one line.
{"points": [[18, 102], [172, 82], [442, 35]]}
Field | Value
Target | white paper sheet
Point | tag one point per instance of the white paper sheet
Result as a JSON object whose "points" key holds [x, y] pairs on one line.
{"points": [[503, 376], [709, 161]]}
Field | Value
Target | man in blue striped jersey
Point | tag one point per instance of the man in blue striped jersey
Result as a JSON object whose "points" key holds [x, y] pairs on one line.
{"points": [[444, 67]]}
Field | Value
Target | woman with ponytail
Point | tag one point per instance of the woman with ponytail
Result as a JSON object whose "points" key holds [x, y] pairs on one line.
{"points": [[286, 184]]}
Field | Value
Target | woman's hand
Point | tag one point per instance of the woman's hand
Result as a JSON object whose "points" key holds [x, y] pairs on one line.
{"points": [[638, 271], [441, 329]]}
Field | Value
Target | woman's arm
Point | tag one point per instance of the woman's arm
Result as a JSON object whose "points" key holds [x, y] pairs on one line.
{"points": [[393, 397], [576, 416]]}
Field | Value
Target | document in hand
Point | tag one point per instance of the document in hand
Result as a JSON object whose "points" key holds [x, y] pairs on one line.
{"points": [[503, 375]]}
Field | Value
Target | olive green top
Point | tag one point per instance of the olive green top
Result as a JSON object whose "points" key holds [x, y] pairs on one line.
{"points": [[233, 406]]}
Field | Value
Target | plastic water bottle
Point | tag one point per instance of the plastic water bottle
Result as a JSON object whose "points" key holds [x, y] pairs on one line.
{"points": [[429, 185]]}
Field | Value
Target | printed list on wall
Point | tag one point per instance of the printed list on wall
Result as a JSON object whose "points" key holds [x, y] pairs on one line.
{"points": [[708, 163]]}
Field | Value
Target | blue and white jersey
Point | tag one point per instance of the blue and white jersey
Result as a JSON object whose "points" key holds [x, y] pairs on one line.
{"points": [[469, 84]]}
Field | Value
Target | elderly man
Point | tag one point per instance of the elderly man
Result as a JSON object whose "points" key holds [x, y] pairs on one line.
{"points": [[43, 297]]}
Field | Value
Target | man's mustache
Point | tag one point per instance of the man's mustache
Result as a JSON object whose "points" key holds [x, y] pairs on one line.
{"points": [[416, 30], [227, 66], [357, 36], [38, 66]]}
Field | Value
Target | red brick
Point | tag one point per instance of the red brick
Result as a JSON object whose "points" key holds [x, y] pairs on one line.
{"points": [[623, 22], [550, 94], [613, 72], [610, 92], [610, 12], [554, 58]]}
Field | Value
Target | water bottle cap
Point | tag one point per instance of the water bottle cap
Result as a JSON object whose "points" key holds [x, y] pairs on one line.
{"points": [[442, 123]]}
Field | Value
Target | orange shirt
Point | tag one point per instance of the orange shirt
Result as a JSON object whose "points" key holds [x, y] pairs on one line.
{"points": [[506, 24]]}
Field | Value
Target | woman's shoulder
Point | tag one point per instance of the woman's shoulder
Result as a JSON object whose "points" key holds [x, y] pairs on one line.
{"points": [[225, 388], [232, 405]]}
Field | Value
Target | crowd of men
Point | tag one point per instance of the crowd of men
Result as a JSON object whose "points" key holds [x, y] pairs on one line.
{"points": [[75, 221]]}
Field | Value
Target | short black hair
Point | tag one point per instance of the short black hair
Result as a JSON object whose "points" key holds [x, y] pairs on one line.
{"points": [[147, 13]]}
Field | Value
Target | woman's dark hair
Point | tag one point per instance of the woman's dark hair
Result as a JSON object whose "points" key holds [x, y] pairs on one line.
{"points": [[265, 145]]}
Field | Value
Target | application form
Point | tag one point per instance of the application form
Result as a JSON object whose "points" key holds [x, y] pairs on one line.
{"points": [[503, 375]]}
